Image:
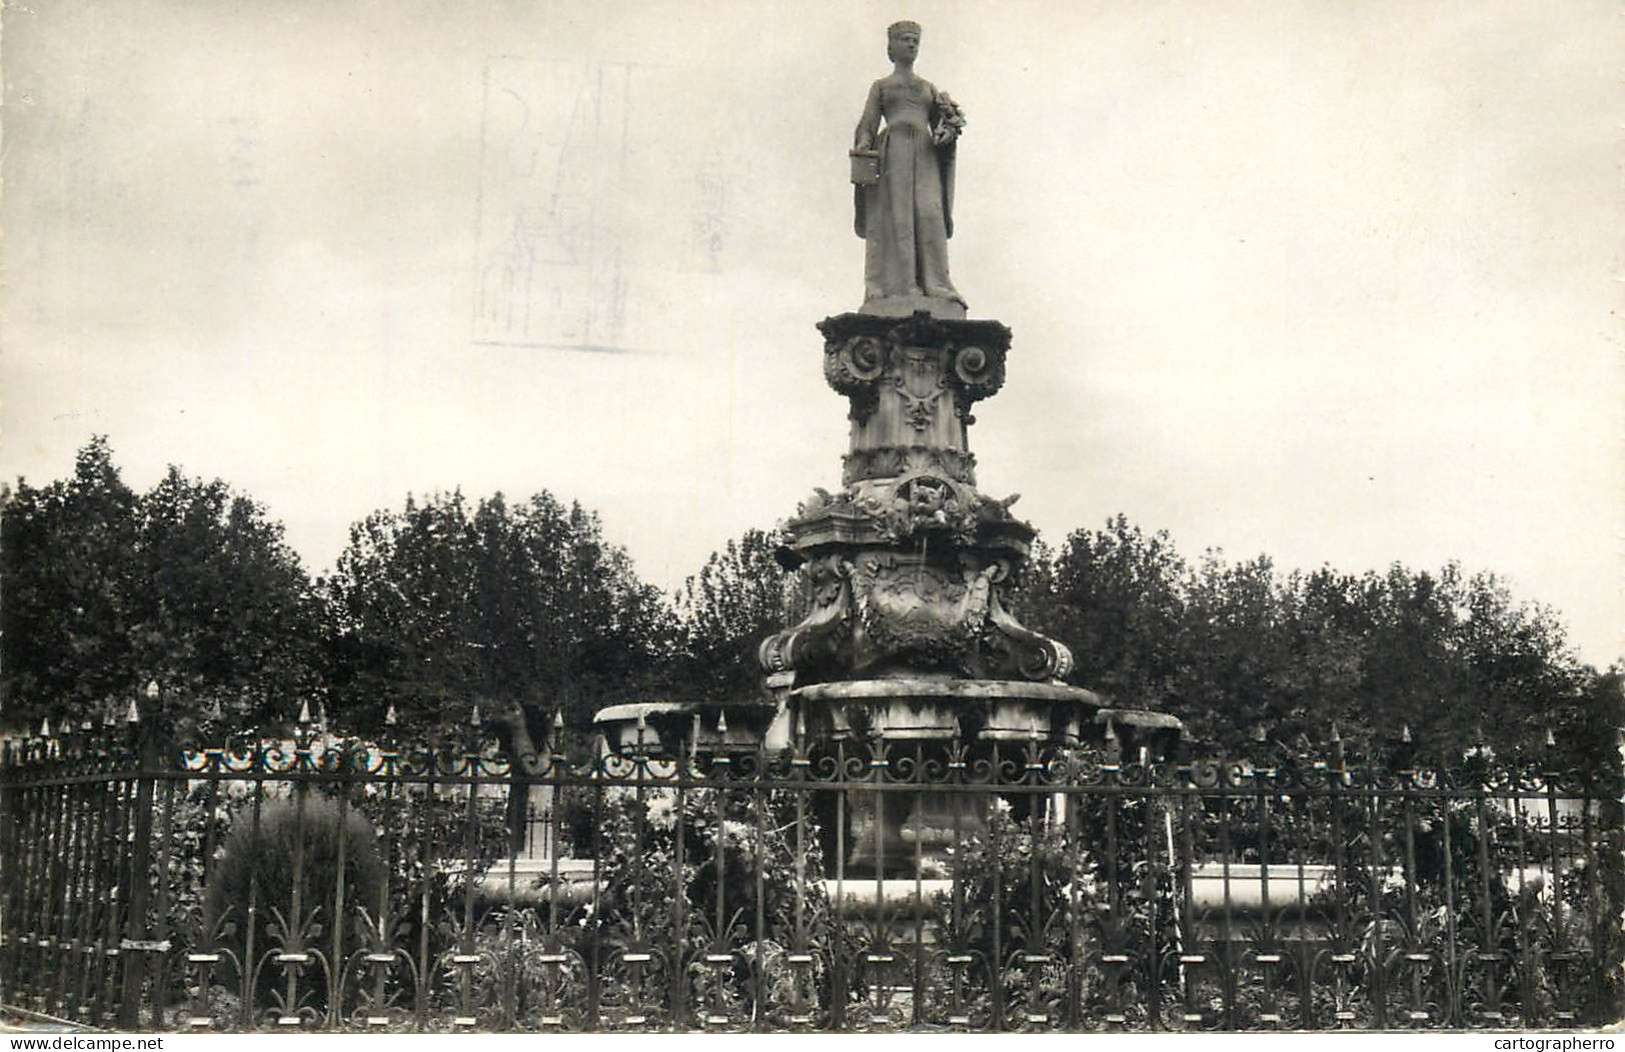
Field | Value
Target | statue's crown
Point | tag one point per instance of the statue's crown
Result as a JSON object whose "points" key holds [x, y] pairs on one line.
{"points": [[898, 28]]}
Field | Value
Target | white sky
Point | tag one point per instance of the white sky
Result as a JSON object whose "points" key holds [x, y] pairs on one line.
{"points": [[1335, 282]]}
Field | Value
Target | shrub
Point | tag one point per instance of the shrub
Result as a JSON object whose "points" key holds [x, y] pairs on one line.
{"points": [[264, 855]]}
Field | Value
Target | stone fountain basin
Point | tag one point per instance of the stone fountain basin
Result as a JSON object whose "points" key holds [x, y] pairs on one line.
{"points": [[940, 709], [676, 728]]}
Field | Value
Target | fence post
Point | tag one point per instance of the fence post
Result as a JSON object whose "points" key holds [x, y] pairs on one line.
{"points": [[8, 867], [135, 944]]}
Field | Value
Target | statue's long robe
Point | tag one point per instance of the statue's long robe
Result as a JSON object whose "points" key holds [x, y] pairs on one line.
{"points": [[906, 217]]}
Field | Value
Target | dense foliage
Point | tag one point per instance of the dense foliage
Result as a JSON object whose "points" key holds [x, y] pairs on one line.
{"points": [[526, 612], [740, 597], [188, 585], [523, 610], [1239, 650], [257, 868]]}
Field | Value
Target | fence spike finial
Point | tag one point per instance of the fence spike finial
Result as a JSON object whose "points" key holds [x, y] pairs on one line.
{"points": [[1405, 733], [45, 728], [722, 723], [391, 717], [1551, 739], [152, 690], [1336, 737], [558, 719], [133, 714], [304, 711], [474, 718]]}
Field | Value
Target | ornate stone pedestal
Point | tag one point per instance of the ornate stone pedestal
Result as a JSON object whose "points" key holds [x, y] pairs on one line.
{"points": [[909, 565], [911, 641]]}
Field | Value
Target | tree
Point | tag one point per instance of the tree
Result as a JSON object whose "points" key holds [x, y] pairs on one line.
{"points": [[1236, 649], [1114, 597], [524, 611], [740, 597], [1234, 671], [522, 614], [1326, 635], [1589, 729], [189, 585]]}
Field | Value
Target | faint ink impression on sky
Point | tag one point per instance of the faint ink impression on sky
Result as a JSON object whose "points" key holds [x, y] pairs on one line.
{"points": [[589, 212]]}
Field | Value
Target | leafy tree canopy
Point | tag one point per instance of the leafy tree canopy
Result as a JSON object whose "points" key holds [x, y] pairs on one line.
{"points": [[740, 597], [527, 609], [1238, 649], [188, 585]]}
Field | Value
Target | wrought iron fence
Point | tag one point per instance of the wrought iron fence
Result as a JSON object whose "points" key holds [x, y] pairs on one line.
{"points": [[869, 886]]}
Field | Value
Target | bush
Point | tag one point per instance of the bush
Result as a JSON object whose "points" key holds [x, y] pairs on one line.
{"points": [[265, 856]]}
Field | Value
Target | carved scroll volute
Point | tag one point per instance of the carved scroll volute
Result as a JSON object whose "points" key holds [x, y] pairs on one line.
{"points": [[821, 636], [1017, 649], [853, 368], [976, 372]]}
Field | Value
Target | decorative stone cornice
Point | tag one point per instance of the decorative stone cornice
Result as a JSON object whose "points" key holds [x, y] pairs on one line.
{"points": [[895, 461], [862, 354], [914, 508]]}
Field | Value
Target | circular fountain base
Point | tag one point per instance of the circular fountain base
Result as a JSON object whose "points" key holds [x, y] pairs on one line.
{"points": [[926, 708], [942, 719]]}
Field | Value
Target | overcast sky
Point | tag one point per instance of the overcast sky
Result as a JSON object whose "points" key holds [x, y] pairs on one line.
{"points": [[1339, 283]]}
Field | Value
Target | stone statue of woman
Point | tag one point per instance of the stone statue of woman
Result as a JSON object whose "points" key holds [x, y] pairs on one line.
{"points": [[905, 194]]}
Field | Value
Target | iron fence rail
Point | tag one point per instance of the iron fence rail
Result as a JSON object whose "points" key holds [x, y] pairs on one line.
{"points": [[871, 886]]}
